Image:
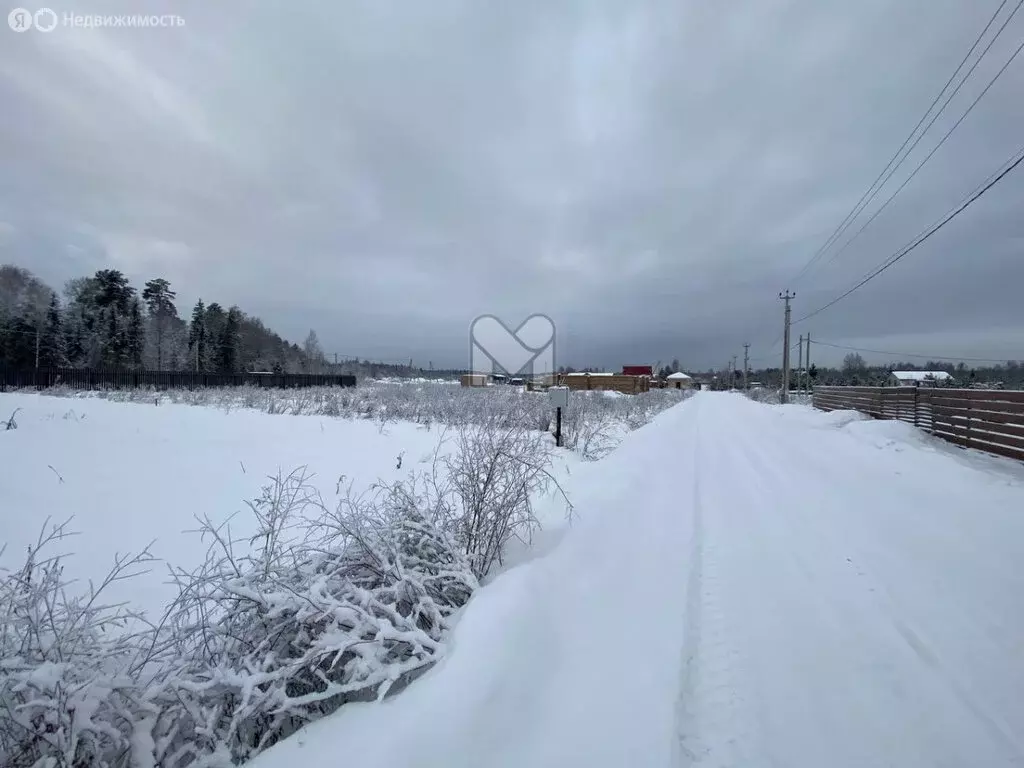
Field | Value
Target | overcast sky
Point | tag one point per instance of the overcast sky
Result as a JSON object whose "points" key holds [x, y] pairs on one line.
{"points": [[649, 174]]}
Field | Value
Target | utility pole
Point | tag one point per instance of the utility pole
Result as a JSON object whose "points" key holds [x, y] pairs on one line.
{"points": [[784, 397], [746, 365], [732, 374], [800, 363], [807, 362]]}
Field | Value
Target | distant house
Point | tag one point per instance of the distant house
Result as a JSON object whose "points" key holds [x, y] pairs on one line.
{"points": [[679, 380], [919, 378], [638, 370], [628, 385]]}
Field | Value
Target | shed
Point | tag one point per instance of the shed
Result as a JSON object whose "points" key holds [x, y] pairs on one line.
{"points": [[679, 380]]}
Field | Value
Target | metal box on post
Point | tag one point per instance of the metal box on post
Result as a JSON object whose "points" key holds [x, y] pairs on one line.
{"points": [[558, 397]]}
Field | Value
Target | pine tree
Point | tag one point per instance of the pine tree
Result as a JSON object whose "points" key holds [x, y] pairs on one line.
{"points": [[19, 342], [135, 339], [197, 337], [112, 341], [53, 353], [214, 320], [159, 300], [113, 295], [113, 290], [230, 342]]}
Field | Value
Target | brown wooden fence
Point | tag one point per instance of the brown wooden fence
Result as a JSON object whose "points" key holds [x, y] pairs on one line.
{"points": [[989, 420], [85, 378]]}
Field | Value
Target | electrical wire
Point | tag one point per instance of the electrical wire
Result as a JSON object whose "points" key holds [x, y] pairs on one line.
{"points": [[889, 169], [928, 156], [768, 356], [908, 354], [988, 179], [920, 239]]}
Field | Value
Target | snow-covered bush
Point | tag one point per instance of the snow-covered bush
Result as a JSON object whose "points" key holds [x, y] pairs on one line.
{"points": [[773, 396], [321, 609], [763, 395], [492, 477], [321, 606], [588, 423], [66, 695], [267, 635], [592, 425]]}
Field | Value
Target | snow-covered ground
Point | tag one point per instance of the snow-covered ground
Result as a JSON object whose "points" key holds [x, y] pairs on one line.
{"points": [[135, 473], [746, 585]]}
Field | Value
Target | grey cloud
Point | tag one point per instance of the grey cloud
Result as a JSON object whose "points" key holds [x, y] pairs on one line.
{"points": [[649, 174]]}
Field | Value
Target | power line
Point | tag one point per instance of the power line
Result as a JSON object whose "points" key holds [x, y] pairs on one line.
{"points": [[921, 239], [986, 181], [929, 155], [875, 188], [908, 354], [766, 357]]}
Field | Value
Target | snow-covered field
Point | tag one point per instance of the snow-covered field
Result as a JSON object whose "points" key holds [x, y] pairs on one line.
{"points": [[743, 584], [132, 474], [139, 468]]}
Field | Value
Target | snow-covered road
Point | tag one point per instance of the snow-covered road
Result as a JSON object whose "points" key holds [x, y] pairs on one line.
{"points": [[748, 586]]}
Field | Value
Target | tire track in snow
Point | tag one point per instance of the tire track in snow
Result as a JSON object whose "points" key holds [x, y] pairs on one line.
{"points": [[711, 725], [849, 623], [687, 746], [877, 594]]}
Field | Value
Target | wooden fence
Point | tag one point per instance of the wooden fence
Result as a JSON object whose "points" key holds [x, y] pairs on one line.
{"points": [[85, 378], [989, 420]]}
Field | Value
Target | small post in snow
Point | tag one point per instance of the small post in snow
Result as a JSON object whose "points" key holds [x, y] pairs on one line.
{"points": [[559, 398]]}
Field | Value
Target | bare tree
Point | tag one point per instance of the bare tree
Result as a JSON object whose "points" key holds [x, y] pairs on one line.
{"points": [[854, 363], [314, 353]]}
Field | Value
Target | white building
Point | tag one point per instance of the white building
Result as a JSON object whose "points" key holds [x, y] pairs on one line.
{"points": [[679, 380], [919, 378]]}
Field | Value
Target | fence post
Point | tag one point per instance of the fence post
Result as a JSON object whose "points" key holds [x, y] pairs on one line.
{"points": [[967, 397], [915, 408]]}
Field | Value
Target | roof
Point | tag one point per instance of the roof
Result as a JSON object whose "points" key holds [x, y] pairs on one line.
{"points": [[584, 373], [921, 375], [677, 376]]}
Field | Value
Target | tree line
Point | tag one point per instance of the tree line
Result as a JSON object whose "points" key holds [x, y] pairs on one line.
{"points": [[103, 322], [854, 371]]}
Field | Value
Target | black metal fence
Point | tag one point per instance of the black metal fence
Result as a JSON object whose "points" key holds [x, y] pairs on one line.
{"points": [[86, 378]]}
